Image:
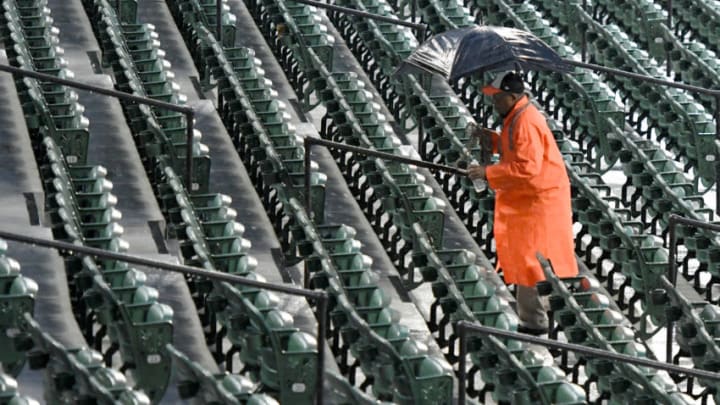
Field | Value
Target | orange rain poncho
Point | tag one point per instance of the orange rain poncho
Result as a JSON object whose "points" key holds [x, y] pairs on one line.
{"points": [[532, 199]]}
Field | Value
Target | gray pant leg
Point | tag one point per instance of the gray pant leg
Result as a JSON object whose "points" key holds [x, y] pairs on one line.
{"points": [[531, 307]]}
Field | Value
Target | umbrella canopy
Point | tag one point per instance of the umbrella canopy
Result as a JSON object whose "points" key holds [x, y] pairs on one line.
{"points": [[468, 50]]}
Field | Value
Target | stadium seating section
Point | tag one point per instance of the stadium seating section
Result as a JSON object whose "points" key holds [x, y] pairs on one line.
{"points": [[660, 141]]}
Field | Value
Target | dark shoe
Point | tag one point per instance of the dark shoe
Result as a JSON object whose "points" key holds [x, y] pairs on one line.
{"points": [[532, 331]]}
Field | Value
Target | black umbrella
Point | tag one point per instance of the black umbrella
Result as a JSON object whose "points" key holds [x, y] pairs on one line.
{"points": [[478, 49]]}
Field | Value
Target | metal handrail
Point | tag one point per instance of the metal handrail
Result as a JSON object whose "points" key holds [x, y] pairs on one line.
{"points": [[465, 328], [312, 141], [188, 111], [320, 297]]}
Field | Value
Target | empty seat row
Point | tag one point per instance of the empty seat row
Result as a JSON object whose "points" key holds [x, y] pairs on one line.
{"points": [[133, 52], [672, 113], [112, 304], [258, 123], [366, 328], [71, 373], [205, 13], [17, 297], [291, 55], [199, 386], [586, 317], [31, 42], [352, 116], [74, 375], [379, 55], [697, 20], [9, 392], [692, 60], [270, 348]]}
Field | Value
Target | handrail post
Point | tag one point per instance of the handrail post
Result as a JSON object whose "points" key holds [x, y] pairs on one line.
{"points": [[219, 35], [462, 373], [190, 128], [306, 158], [672, 273], [669, 25], [188, 111], [322, 308], [583, 42], [717, 158]]}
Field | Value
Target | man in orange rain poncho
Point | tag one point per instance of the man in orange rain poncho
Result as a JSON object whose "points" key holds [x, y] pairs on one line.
{"points": [[532, 198]]}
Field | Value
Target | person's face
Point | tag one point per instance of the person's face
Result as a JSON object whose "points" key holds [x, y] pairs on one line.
{"points": [[503, 102]]}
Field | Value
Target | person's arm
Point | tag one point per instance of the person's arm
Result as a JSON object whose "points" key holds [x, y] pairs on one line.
{"points": [[528, 148]]}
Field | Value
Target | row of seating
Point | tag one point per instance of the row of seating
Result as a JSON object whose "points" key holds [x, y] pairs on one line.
{"points": [[198, 386], [362, 309], [72, 374], [9, 392], [352, 116], [314, 36], [31, 43], [262, 132], [692, 61], [17, 296], [398, 42], [75, 375], [208, 14], [365, 327], [673, 114], [275, 352], [81, 210], [585, 315], [116, 311], [697, 20], [139, 67]]}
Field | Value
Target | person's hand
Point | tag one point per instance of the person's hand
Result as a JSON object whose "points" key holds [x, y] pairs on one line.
{"points": [[480, 133], [485, 132], [476, 172]]}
